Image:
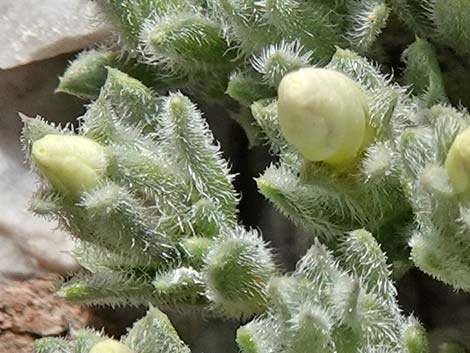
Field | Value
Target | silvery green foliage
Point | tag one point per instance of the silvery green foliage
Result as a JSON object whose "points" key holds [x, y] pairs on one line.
{"points": [[238, 257], [211, 47], [342, 302], [201, 45], [245, 47], [368, 20], [423, 73], [154, 333], [441, 212], [161, 224], [161, 227], [81, 341], [450, 22]]}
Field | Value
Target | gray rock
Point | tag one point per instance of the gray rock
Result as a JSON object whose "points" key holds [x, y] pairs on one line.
{"points": [[28, 244], [33, 30]]}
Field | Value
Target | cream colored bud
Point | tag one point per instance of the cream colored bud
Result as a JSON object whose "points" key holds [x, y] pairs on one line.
{"points": [[458, 162], [324, 114], [72, 164], [110, 346]]}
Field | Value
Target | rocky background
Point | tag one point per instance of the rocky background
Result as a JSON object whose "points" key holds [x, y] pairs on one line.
{"points": [[38, 38]]}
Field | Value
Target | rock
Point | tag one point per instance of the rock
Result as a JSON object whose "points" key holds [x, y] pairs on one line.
{"points": [[29, 244], [30, 310], [32, 30]]}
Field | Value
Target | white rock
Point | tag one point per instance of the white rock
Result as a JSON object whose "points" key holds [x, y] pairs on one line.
{"points": [[28, 244], [32, 30]]}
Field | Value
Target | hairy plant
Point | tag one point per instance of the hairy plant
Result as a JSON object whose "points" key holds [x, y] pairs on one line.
{"points": [[154, 333], [144, 189], [343, 302]]}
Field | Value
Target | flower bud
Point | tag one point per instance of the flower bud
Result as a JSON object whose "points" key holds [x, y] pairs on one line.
{"points": [[72, 164], [246, 340], [110, 346], [458, 162], [323, 113], [415, 338], [196, 249], [237, 270]]}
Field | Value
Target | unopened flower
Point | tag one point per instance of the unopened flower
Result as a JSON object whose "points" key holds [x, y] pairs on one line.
{"points": [[415, 337], [72, 164], [110, 346], [323, 113], [458, 162]]}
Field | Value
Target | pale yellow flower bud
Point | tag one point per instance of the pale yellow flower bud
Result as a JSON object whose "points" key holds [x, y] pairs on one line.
{"points": [[72, 164], [458, 162], [324, 114], [110, 346]]}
